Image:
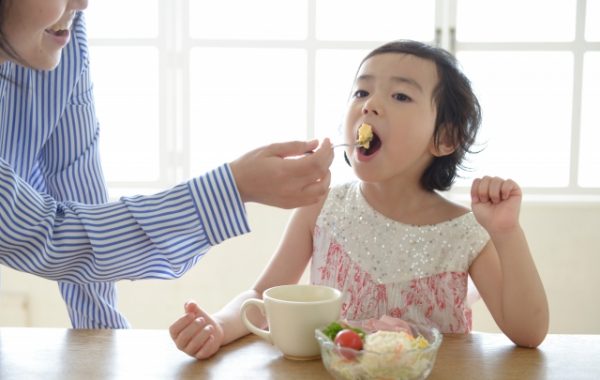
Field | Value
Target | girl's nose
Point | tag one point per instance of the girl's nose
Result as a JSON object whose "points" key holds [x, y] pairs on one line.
{"points": [[372, 105], [368, 108]]}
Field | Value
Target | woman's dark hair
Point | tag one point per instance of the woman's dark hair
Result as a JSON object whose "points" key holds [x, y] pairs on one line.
{"points": [[458, 111], [5, 48]]}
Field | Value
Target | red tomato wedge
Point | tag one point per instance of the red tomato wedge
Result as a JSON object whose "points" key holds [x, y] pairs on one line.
{"points": [[347, 338]]}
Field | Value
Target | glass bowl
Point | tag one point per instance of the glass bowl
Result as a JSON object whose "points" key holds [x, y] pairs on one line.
{"points": [[401, 364]]}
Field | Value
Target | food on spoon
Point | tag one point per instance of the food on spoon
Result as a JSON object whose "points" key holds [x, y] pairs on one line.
{"points": [[365, 135]]}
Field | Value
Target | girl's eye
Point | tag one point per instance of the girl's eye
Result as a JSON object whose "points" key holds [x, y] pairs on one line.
{"points": [[360, 94], [402, 97]]}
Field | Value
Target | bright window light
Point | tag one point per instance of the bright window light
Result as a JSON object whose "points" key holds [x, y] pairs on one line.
{"points": [[526, 101], [196, 83], [515, 20], [335, 71], [126, 92], [375, 20], [113, 19], [589, 158], [242, 99], [243, 19], [592, 26]]}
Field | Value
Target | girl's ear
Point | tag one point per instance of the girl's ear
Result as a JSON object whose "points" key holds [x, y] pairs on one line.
{"points": [[445, 146], [441, 150]]}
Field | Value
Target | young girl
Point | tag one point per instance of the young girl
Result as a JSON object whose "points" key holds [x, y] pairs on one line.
{"points": [[391, 242]]}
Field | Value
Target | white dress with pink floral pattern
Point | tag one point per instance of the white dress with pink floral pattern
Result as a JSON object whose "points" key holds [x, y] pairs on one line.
{"points": [[384, 267]]}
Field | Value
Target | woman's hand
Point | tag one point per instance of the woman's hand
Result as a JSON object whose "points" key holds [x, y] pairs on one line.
{"points": [[496, 203], [283, 175], [197, 333]]}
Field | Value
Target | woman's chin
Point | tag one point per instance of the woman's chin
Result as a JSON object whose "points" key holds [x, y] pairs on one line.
{"points": [[44, 63], [39, 57], [49, 62]]}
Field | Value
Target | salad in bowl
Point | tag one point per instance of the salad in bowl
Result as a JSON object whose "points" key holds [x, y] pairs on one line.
{"points": [[388, 348]]}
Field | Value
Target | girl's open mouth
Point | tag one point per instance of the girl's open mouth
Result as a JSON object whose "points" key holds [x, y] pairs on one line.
{"points": [[374, 146]]}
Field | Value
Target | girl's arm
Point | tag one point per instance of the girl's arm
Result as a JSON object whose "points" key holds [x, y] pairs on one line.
{"points": [[505, 273], [201, 335]]}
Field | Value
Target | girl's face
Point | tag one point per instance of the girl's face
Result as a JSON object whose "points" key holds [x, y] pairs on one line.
{"points": [[393, 93], [37, 30]]}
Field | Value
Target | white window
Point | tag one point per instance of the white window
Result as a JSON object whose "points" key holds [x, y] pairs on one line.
{"points": [[185, 85]]}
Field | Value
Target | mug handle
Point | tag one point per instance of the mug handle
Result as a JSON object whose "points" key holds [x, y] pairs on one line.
{"points": [[249, 325]]}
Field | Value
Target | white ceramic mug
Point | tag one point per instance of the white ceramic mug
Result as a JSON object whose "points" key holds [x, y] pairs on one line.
{"points": [[293, 313]]}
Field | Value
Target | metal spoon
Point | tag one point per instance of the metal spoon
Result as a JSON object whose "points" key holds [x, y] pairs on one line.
{"points": [[346, 144]]}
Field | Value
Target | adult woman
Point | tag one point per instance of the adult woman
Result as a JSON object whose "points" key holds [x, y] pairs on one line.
{"points": [[55, 221]]}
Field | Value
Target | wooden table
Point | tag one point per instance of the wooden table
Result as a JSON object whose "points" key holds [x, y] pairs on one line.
{"points": [[35, 353]]}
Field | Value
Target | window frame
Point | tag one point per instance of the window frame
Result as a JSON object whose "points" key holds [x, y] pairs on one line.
{"points": [[174, 43], [579, 46]]}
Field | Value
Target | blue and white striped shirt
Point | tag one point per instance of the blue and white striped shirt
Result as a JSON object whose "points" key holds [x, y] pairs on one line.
{"points": [[55, 221]]}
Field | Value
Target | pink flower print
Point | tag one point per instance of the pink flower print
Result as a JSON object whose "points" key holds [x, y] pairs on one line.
{"points": [[396, 312], [381, 293], [469, 319], [324, 272], [358, 276], [429, 311], [344, 310], [333, 254], [342, 266], [409, 297]]}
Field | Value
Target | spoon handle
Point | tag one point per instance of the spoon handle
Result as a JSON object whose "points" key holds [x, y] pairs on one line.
{"points": [[336, 146], [345, 144]]}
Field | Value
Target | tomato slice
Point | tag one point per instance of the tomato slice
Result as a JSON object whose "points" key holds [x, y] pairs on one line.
{"points": [[347, 338]]}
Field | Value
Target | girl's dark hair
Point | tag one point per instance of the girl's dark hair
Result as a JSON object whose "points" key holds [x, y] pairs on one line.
{"points": [[458, 111]]}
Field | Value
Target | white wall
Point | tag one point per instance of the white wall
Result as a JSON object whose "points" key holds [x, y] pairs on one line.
{"points": [[563, 237]]}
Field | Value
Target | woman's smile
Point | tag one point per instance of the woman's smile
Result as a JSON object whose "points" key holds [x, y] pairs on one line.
{"points": [[61, 31], [38, 30], [61, 37]]}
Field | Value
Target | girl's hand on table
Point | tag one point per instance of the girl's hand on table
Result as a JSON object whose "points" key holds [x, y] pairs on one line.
{"points": [[197, 333]]}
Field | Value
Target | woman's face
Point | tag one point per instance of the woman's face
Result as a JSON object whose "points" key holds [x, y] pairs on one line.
{"points": [[38, 30]]}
